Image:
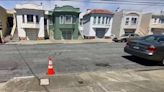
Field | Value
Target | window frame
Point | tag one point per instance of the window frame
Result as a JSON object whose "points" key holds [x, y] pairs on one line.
{"points": [[23, 18], [30, 20], [61, 19], [37, 19], [74, 19], [66, 22], [99, 19], [133, 21], [127, 20], [94, 19]]}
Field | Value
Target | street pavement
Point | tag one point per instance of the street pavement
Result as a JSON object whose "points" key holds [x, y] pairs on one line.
{"points": [[27, 60], [99, 81]]}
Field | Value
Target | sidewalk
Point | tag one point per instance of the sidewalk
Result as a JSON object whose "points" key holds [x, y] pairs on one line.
{"points": [[111, 81], [61, 41]]}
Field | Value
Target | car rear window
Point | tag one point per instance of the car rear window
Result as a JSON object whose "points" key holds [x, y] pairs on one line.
{"points": [[161, 39], [153, 39]]}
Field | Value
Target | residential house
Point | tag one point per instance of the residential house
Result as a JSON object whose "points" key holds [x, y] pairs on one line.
{"points": [[3, 22], [130, 21], [157, 24], [97, 23], [30, 21], [65, 22]]}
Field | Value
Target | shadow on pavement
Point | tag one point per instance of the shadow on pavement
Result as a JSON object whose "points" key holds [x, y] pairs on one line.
{"points": [[141, 61]]}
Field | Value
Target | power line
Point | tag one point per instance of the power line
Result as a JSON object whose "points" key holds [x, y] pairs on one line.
{"points": [[125, 2]]}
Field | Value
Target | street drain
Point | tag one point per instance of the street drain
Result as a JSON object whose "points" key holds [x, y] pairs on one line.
{"points": [[102, 64]]}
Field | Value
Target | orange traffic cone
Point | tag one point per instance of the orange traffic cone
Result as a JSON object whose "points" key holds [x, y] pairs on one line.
{"points": [[50, 70]]}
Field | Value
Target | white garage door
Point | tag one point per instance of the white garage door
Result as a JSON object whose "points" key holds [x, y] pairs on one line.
{"points": [[32, 34]]}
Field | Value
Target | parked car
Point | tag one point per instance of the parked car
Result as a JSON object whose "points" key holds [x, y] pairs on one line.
{"points": [[149, 47], [126, 37]]}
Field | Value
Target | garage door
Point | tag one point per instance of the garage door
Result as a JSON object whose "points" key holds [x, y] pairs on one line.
{"points": [[158, 31], [67, 35], [100, 32], [129, 31], [32, 34]]}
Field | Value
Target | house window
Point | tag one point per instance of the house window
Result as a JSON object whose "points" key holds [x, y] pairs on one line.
{"points": [[45, 21], [134, 21], [30, 18], [37, 19], [99, 20], [68, 19], [155, 20], [61, 19], [103, 20], [23, 18], [94, 20], [107, 20], [162, 21], [127, 21], [74, 19]]}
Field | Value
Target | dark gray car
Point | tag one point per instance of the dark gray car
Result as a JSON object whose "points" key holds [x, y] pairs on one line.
{"points": [[149, 47]]}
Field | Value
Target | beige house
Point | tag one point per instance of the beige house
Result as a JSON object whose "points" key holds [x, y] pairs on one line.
{"points": [[3, 22], [156, 24], [130, 21]]}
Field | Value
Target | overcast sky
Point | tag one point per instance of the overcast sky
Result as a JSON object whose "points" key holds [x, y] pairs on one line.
{"points": [[85, 4]]}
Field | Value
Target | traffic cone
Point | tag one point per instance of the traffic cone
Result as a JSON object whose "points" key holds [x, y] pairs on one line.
{"points": [[50, 70]]}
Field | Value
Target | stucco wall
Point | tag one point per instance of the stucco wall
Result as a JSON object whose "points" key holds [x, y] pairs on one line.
{"points": [[21, 29], [86, 26], [145, 22], [116, 25]]}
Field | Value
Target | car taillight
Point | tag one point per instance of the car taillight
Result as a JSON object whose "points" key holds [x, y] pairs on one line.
{"points": [[151, 50]]}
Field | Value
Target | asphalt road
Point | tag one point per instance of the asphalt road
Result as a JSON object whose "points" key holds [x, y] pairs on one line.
{"points": [[67, 58]]}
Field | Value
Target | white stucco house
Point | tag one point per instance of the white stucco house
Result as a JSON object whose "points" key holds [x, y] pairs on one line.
{"points": [[97, 24], [30, 21]]}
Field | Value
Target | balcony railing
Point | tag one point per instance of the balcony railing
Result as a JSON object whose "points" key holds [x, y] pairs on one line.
{"points": [[30, 25]]}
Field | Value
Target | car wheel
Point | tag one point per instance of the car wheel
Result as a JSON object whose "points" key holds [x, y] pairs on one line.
{"points": [[162, 62], [123, 40]]}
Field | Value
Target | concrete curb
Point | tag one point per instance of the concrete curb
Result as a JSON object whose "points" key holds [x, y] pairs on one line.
{"points": [[57, 42]]}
